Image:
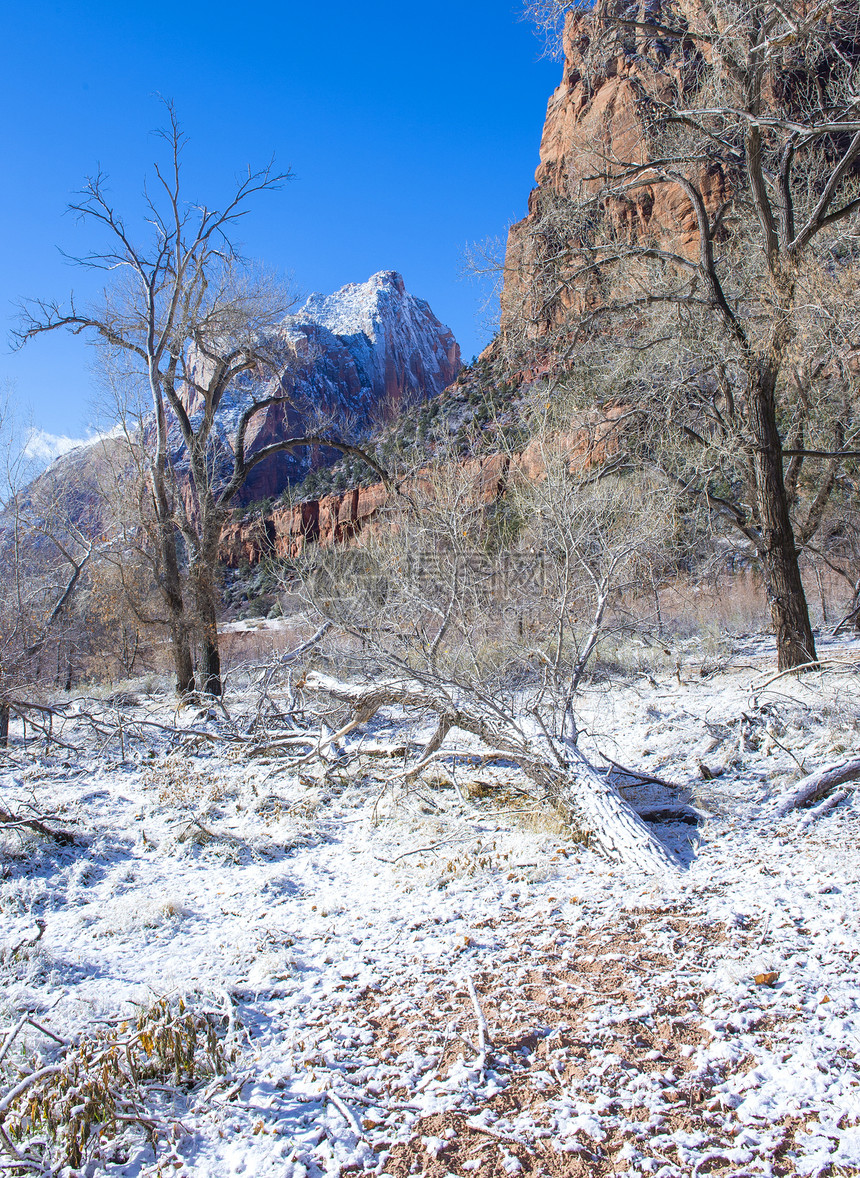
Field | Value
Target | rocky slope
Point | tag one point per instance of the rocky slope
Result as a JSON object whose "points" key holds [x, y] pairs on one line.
{"points": [[352, 360], [332, 519], [338, 517]]}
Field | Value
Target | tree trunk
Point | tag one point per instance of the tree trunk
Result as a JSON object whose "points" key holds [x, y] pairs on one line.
{"points": [[169, 579], [210, 657], [171, 588], [206, 603], [795, 643], [4, 724], [170, 584], [183, 665], [612, 822]]}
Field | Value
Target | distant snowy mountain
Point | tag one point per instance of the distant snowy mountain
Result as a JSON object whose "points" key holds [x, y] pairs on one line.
{"points": [[399, 347], [352, 361]]}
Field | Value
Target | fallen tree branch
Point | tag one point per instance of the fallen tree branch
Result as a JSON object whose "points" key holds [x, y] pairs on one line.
{"points": [[484, 1041], [26, 1083], [12, 821], [13, 1035], [818, 665], [284, 744], [568, 780], [817, 786], [642, 778], [11, 953], [292, 655], [823, 808], [347, 1114], [451, 842], [27, 1019]]}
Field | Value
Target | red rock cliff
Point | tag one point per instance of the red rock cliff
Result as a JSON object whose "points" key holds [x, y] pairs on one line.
{"points": [[597, 115], [336, 519]]}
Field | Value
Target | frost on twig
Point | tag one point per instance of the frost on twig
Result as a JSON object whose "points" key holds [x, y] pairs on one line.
{"points": [[9, 821], [58, 1114]]}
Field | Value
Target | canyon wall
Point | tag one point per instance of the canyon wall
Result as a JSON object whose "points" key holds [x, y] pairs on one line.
{"points": [[335, 519], [597, 119]]}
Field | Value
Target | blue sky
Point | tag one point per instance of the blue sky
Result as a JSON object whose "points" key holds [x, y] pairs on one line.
{"points": [[411, 130]]}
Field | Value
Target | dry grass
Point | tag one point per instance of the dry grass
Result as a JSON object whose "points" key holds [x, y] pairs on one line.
{"points": [[178, 782], [238, 649]]}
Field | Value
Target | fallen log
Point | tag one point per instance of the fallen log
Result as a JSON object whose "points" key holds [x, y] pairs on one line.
{"points": [[817, 785], [568, 780]]}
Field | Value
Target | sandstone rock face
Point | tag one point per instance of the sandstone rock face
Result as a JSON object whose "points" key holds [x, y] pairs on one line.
{"points": [[338, 519], [594, 118], [332, 519], [350, 361]]}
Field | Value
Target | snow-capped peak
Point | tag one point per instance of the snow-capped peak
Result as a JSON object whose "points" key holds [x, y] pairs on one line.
{"points": [[397, 343], [359, 306]]}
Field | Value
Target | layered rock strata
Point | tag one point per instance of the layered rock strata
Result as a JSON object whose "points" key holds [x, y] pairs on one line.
{"points": [[597, 120], [340, 518]]}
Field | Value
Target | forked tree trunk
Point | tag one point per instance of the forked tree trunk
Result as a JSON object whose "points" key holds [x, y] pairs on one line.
{"points": [[795, 644]]}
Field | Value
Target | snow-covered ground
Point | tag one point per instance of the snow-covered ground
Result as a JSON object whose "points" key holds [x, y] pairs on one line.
{"points": [[444, 981]]}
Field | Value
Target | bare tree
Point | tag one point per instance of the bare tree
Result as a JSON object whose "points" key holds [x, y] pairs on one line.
{"points": [[45, 552], [193, 323], [739, 310], [164, 296]]}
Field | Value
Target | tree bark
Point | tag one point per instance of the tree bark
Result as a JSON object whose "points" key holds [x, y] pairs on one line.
{"points": [[4, 724], [795, 643], [170, 581], [180, 644], [612, 822], [210, 656], [204, 577], [183, 664]]}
